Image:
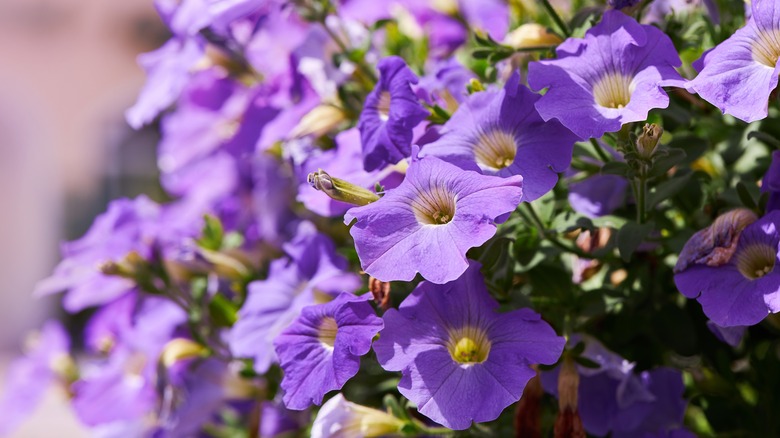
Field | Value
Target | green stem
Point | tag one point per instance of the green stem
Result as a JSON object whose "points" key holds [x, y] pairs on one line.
{"points": [[557, 18], [552, 238], [346, 50], [641, 199], [600, 151]]}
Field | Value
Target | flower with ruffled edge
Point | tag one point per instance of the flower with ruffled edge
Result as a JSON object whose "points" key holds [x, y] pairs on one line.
{"points": [[500, 133], [738, 74], [390, 113], [614, 400], [611, 77], [430, 220], [47, 361], [312, 272], [461, 360], [321, 350], [741, 286]]}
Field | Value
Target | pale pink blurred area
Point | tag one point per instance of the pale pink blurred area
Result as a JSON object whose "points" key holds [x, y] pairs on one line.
{"points": [[67, 73]]}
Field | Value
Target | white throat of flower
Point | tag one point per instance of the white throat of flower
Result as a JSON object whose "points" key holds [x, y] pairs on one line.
{"points": [[383, 106], [755, 260], [468, 345], [766, 47], [495, 149], [613, 90], [327, 332], [435, 206]]}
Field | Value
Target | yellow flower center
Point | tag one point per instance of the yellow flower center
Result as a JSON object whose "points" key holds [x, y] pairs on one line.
{"points": [[766, 47], [383, 106], [495, 149], [327, 332], [756, 260], [613, 90], [434, 207], [468, 345]]}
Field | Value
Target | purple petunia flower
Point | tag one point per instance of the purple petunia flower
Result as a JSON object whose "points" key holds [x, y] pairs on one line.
{"points": [[738, 74], [771, 183], [47, 362], [127, 226], [390, 113], [122, 389], [730, 335], [430, 220], [500, 133], [613, 399], [321, 350], [461, 360], [611, 77], [734, 276], [168, 69], [292, 284]]}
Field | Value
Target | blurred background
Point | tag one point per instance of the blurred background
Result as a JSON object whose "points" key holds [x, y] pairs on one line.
{"points": [[67, 73]]}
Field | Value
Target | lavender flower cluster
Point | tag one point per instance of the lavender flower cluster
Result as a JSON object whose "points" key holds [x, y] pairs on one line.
{"points": [[413, 218]]}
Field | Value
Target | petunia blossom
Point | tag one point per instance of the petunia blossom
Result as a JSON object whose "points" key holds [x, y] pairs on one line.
{"points": [[430, 220], [612, 76], [47, 362], [312, 269], [738, 75], [615, 400], [736, 278], [500, 133], [321, 350], [461, 360], [389, 114]]}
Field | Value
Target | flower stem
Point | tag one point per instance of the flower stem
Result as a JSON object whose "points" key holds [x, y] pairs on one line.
{"points": [[641, 198], [557, 18], [552, 238], [600, 151]]}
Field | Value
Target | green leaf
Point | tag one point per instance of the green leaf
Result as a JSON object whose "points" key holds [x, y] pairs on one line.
{"points": [[616, 168], [745, 197], [667, 158], [630, 236], [212, 233], [667, 189]]}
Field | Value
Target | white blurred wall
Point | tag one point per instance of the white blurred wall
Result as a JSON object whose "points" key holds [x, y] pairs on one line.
{"points": [[67, 73]]}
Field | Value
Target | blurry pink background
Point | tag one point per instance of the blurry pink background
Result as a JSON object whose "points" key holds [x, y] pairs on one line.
{"points": [[67, 73]]}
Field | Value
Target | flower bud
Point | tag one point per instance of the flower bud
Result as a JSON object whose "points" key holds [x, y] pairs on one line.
{"points": [[341, 190], [531, 35], [319, 121], [648, 140], [179, 349], [339, 417], [568, 424]]}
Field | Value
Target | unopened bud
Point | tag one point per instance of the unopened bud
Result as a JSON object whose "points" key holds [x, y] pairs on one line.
{"points": [[179, 349], [128, 267], [381, 292], [568, 424], [475, 85], [531, 35], [319, 121], [341, 190], [648, 140], [528, 420]]}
